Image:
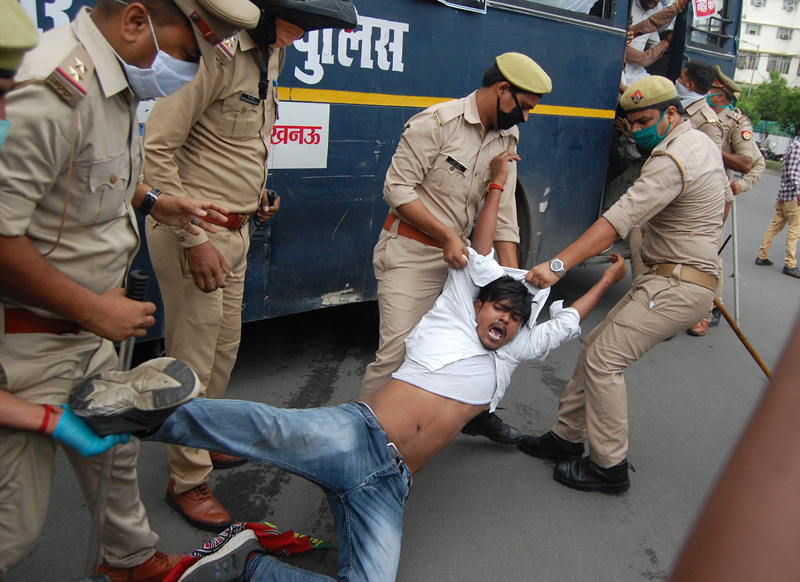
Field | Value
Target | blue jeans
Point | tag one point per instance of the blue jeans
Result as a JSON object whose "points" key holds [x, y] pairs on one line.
{"points": [[342, 449]]}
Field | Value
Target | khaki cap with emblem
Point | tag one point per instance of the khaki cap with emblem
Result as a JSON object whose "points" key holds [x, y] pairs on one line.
{"points": [[523, 72], [17, 35], [215, 20], [726, 83], [648, 93]]}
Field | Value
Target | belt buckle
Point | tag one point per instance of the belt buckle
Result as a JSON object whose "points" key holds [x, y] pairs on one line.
{"points": [[245, 220]]}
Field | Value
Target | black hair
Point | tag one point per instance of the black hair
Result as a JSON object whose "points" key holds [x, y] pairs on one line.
{"points": [[701, 74], [163, 12], [510, 294], [492, 75], [676, 103]]}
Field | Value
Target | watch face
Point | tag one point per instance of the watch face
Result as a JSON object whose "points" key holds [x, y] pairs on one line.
{"points": [[556, 265]]}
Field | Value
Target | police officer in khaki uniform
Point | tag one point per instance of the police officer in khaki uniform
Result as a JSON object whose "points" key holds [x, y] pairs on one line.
{"points": [[68, 173], [442, 169], [210, 140], [739, 154], [680, 197], [692, 86]]}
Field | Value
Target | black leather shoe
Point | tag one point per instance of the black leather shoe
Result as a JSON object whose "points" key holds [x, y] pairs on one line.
{"points": [[792, 272], [716, 315], [763, 262], [550, 446], [584, 475], [490, 425]]}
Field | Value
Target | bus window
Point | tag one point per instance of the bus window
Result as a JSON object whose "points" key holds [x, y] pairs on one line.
{"points": [[598, 8], [712, 32]]}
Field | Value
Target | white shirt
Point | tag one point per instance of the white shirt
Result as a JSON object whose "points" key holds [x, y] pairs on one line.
{"points": [[448, 332], [633, 73]]}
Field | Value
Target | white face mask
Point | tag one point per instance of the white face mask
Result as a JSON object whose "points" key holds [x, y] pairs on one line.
{"points": [[165, 76], [686, 96]]}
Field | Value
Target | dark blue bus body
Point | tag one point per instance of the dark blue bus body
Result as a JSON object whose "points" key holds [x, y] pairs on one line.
{"points": [[317, 251]]}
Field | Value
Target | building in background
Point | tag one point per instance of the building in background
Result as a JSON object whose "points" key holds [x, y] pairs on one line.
{"points": [[769, 41]]}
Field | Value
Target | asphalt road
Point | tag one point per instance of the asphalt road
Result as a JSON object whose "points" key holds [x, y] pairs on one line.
{"points": [[481, 511]]}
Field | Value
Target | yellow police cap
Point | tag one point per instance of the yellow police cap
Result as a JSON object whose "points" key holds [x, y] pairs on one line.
{"points": [[215, 20], [17, 35], [523, 72], [648, 93], [727, 83]]}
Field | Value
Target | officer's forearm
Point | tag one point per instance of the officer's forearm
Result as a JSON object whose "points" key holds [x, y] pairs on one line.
{"points": [[29, 278], [506, 253], [417, 213], [599, 237], [737, 162], [20, 414]]}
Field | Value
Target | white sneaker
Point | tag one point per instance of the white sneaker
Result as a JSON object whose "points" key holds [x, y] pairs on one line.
{"points": [[137, 401], [224, 557]]}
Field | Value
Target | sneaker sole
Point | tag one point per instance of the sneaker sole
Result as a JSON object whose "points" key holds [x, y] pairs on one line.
{"points": [[601, 487], [229, 566], [495, 439], [198, 524], [147, 411]]}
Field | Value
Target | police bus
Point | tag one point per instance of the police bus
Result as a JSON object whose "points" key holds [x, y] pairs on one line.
{"points": [[346, 94]]}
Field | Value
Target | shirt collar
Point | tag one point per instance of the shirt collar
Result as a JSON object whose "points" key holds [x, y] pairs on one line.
{"points": [[680, 130], [245, 42], [106, 65]]}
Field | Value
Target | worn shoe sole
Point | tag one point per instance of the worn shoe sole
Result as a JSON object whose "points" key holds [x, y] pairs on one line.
{"points": [[468, 430], [602, 487], [228, 563], [137, 401], [205, 526]]}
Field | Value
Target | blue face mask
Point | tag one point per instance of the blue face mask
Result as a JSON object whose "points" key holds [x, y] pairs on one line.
{"points": [[5, 126], [648, 138], [729, 106]]}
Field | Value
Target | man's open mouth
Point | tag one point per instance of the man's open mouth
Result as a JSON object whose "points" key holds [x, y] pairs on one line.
{"points": [[496, 332]]}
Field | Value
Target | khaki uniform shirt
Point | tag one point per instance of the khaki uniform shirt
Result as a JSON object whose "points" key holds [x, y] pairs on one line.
{"points": [[421, 168], [209, 140], [98, 236], [680, 199], [738, 139], [702, 117]]}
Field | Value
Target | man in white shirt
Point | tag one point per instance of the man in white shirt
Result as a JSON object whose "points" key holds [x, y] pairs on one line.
{"points": [[364, 455]]}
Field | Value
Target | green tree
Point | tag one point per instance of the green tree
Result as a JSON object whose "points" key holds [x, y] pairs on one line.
{"points": [[770, 98]]}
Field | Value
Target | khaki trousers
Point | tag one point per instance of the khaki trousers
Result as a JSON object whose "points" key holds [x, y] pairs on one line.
{"points": [[202, 330], [594, 405], [410, 277], [785, 213], [45, 368]]}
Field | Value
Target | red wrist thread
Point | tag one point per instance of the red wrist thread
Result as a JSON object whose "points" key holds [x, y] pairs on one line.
{"points": [[48, 410], [495, 186]]}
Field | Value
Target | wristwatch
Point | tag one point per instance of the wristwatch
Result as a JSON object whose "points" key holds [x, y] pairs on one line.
{"points": [[557, 266], [148, 202]]}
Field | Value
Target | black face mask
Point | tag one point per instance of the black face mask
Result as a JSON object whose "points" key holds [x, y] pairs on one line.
{"points": [[512, 118]]}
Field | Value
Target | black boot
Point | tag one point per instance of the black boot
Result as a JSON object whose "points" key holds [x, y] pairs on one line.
{"points": [[550, 446], [584, 475], [490, 425]]}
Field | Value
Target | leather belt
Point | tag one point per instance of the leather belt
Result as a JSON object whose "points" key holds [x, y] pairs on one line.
{"points": [[24, 321], [234, 221], [410, 231], [688, 275]]}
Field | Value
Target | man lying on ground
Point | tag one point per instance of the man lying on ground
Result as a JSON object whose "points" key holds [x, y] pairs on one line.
{"points": [[364, 454]]}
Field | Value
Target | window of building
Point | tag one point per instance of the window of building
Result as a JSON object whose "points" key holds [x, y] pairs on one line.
{"points": [[754, 29], [747, 60], [790, 5], [758, 3], [785, 33], [779, 63]]}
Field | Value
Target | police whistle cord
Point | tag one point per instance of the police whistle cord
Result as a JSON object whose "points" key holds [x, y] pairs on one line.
{"points": [[743, 339], [136, 288]]}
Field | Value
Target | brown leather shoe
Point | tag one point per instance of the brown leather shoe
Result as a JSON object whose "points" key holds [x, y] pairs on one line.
{"points": [[153, 570], [199, 507], [699, 329], [223, 461]]}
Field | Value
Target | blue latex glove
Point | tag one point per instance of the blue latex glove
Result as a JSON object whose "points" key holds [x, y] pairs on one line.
{"points": [[72, 431]]}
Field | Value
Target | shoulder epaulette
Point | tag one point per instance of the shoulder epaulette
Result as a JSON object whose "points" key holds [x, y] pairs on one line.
{"points": [[70, 80], [709, 114], [448, 111]]}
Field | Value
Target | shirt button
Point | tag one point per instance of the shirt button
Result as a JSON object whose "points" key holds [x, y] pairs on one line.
{"points": [[452, 168], [244, 109], [673, 282], [113, 179], [181, 239]]}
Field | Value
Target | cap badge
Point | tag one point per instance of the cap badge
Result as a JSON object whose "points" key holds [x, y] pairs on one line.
{"points": [[636, 97]]}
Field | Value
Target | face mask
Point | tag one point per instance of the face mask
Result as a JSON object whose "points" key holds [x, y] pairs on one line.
{"points": [[512, 118], [687, 97], [165, 76], [708, 100], [648, 138], [5, 126]]}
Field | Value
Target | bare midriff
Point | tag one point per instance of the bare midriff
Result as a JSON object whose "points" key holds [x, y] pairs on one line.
{"points": [[418, 422]]}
